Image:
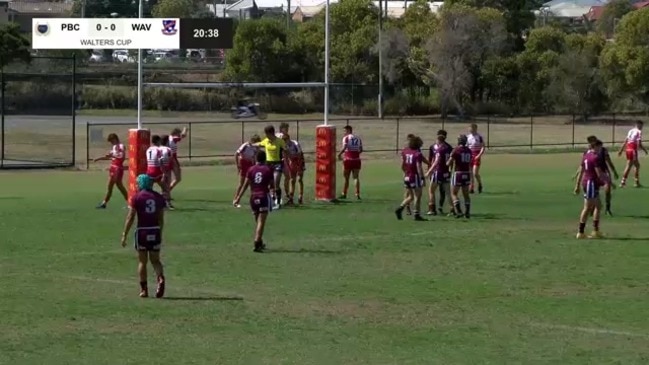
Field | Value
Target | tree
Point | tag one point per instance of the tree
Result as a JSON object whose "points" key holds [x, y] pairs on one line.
{"points": [[625, 62], [13, 46], [173, 9], [104, 8], [613, 12]]}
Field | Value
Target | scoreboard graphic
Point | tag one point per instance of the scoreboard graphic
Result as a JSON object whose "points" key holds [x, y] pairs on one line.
{"points": [[131, 33]]}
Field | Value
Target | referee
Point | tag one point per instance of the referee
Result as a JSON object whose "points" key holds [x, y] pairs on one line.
{"points": [[274, 148]]}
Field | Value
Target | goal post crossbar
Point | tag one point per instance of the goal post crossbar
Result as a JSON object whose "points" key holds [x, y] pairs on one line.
{"points": [[226, 85]]}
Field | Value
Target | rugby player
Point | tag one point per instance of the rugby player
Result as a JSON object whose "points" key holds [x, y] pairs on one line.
{"points": [[116, 156], [148, 207], [244, 158], [413, 179], [262, 183], [475, 142], [274, 148], [589, 177], [632, 143], [439, 173], [283, 130], [154, 161], [606, 165], [460, 161], [166, 166], [295, 166], [175, 137], [352, 148]]}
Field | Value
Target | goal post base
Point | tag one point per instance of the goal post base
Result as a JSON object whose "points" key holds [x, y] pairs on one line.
{"points": [[139, 141], [325, 164]]}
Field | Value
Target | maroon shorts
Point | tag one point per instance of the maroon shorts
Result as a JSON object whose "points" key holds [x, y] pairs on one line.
{"points": [[349, 165], [116, 173], [148, 239], [605, 178], [261, 204], [244, 166], [461, 178], [439, 177], [413, 182]]}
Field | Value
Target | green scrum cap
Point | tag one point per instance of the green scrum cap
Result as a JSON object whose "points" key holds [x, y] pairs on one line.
{"points": [[144, 182]]}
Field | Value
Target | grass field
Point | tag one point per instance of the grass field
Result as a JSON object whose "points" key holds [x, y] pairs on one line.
{"points": [[341, 284], [216, 134]]}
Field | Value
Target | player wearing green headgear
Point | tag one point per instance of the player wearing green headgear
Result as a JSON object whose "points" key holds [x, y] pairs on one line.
{"points": [[148, 206]]}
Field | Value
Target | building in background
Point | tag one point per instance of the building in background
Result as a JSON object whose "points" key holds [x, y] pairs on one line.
{"points": [[22, 12], [242, 9]]}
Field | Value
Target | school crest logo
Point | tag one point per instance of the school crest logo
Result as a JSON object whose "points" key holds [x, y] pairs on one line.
{"points": [[42, 28], [169, 27]]}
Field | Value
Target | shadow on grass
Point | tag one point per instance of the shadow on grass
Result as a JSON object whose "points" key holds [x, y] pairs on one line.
{"points": [[304, 250], [627, 238], [190, 299], [635, 216]]}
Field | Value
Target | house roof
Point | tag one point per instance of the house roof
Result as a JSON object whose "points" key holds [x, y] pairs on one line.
{"points": [[587, 3], [641, 5], [242, 5], [40, 7], [221, 10], [395, 9], [595, 13]]}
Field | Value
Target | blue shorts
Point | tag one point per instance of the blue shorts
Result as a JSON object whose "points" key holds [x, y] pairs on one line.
{"points": [[591, 189]]}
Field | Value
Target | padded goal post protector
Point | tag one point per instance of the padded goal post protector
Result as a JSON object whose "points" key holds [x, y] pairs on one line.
{"points": [[139, 141], [325, 163]]}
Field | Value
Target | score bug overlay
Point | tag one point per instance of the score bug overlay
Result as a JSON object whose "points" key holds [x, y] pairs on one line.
{"points": [[105, 33], [131, 33]]}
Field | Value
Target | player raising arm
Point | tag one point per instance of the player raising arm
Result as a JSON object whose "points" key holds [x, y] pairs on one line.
{"points": [[632, 143], [244, 158], [148, 207], [439, 174], [460, 162], [175, 137], [413, 179], [166, 161], [117, 155], [589, 178], [262, 183]]}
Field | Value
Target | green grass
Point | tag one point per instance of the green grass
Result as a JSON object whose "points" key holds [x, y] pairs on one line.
{"points": [[343, 284]]}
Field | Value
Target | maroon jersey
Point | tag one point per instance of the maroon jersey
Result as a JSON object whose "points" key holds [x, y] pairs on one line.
{"points": [[260, 177], [461, 156], [147, 205], [442, 153], [410, 162], [589, 163]]}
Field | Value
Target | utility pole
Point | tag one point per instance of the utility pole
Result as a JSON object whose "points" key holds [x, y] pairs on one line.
{"points": [[380, 101], [83, 8]]}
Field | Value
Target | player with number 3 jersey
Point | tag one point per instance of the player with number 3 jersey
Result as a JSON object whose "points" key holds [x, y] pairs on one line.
{"points": [[261, 180], [350, 153], [460, 161], [148, 207]]}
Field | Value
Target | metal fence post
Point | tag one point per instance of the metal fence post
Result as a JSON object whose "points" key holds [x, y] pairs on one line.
{"points": [[573, 130], [443, 121], [87, 146], [396, 143], [297, 130], [531, 131], [613, 132], [189, 143], [488, 129], [74, 109], [2, 114]]}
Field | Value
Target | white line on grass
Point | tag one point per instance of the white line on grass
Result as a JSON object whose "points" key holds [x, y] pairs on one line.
{"points": [[590, 330]]}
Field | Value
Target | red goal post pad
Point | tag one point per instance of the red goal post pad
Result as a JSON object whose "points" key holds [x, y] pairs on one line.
{"points": [[325, 163], [139, 141]]}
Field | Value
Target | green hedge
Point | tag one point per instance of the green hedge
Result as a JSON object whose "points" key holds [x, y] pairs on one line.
{"points": [[23, 97]]}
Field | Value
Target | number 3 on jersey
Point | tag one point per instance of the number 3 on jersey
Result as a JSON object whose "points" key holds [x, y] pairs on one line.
{"points": [[258, 178], [150, 206]]}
